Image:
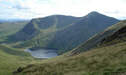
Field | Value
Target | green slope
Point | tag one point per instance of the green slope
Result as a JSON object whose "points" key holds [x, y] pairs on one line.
{"points": [[9, 28], [101, 61], [11, 58]]}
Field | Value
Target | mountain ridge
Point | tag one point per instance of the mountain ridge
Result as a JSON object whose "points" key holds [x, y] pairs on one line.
{"points": [[83, 27], [60, 32]]}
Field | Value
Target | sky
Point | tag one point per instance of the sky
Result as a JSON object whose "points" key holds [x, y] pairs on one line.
{"points": [[28, 9]]}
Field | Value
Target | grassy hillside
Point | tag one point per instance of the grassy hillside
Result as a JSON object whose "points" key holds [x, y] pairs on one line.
{"points": [[107, 58], [101, 61], [11, 58], [9, 28]]}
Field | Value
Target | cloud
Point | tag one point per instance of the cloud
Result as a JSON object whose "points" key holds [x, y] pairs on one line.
{"points": [[18, 7], [28, 9]]}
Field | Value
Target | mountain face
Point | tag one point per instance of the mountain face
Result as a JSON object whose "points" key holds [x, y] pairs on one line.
{"points": [[62, 32], [80, 31], [112, 35], [36, 26]]}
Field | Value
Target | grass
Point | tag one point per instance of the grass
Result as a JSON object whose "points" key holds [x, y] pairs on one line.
{"points": [[101, 61], [9, 28], [11, 59]]}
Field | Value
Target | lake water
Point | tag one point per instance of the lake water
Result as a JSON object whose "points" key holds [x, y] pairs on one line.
{"points": [[42, 53]]}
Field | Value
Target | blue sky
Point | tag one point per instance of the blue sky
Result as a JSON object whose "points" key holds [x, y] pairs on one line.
{"points": [[27, 9]]}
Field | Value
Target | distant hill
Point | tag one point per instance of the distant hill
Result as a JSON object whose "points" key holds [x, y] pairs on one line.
{"points": [[10, 28], [13, 20], [61, 32]]}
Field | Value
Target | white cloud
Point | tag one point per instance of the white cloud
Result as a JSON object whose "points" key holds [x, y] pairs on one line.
{"points": [[41, 8]]}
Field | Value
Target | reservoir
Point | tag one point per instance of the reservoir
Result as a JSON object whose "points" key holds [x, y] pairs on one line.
{"points": [[42, 53]]}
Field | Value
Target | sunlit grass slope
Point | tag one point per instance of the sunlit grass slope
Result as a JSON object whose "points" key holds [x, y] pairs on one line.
{"points": [[11, 58], [101, 61]]}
